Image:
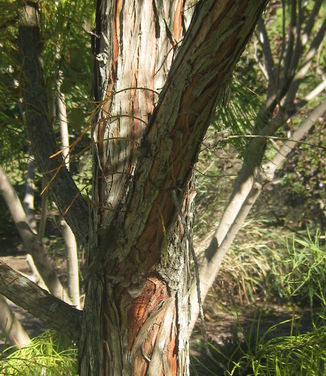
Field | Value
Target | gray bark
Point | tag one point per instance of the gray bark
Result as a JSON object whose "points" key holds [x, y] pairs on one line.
{"points": [[30, 239], [68, 235], [28, 201], [11, 327], [52, 311]]}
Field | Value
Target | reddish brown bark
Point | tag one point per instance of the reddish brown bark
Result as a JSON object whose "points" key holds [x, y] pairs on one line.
{"points": [[156, 96], [139, 277]]}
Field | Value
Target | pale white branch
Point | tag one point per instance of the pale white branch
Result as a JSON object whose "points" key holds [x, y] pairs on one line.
{"points": [[281, 156]]}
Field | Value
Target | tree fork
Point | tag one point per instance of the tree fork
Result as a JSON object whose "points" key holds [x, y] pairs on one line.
{"points": [[137, 168]]}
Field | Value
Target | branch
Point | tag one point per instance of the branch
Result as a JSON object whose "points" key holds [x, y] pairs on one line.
{"points": [[197, 80], [301, 73], [65, 193], [290, 44], [311, 21], [260, 64], [52, 311], [216, 252], [269, 61], [298, 49], [11, 326], [317, 90], [30, 239], [68, 236], [237, 211], [280, 60], [303, 129]]}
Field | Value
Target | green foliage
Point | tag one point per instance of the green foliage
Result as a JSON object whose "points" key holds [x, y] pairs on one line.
{"points": [[265, 268], [47, 354], [303, 354], [306, 187], [302, 274], [66, 48], [248, 266], [258, 353], [236, 116], [12, 134]]}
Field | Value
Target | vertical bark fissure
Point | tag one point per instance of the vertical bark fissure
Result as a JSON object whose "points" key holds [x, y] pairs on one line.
{"points": [[139, 304], [137, 49]]}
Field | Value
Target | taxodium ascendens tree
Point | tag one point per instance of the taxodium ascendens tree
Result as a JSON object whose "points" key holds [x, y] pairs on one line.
{"points": [[161, 67]]}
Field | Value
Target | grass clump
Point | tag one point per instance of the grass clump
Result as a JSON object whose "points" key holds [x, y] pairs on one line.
{"points": [[302, 274], [46, 355], [303, 354], [265, 354]]}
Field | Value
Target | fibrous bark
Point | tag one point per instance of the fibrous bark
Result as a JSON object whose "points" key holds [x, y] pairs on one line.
{"points": [[156, 100], [133, 272], [52, 311]]}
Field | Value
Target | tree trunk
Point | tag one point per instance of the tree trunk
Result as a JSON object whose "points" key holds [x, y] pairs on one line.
{"points": [[136, 312], [133, 57], [157, 86]]}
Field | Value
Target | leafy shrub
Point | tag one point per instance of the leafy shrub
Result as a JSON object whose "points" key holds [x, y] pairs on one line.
{"points": [[46, 355]]}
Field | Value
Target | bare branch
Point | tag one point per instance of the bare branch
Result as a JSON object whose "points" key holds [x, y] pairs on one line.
{"points": [[52, 311], [269, 61], [237, 210], [38, 123], [68, 236], [311, 21], [278, 73], [316, 42], [259, 62], [244, 197], [10, 325], [216, 252], [306, 64], [290, 44], [298, 49], [279, 159], [30, 239], [316, 91]]}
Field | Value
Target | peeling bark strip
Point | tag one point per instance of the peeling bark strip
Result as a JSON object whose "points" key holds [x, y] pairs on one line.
{"points": [[152, 329], [38, 122], [136, 291], [52, 311]]}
